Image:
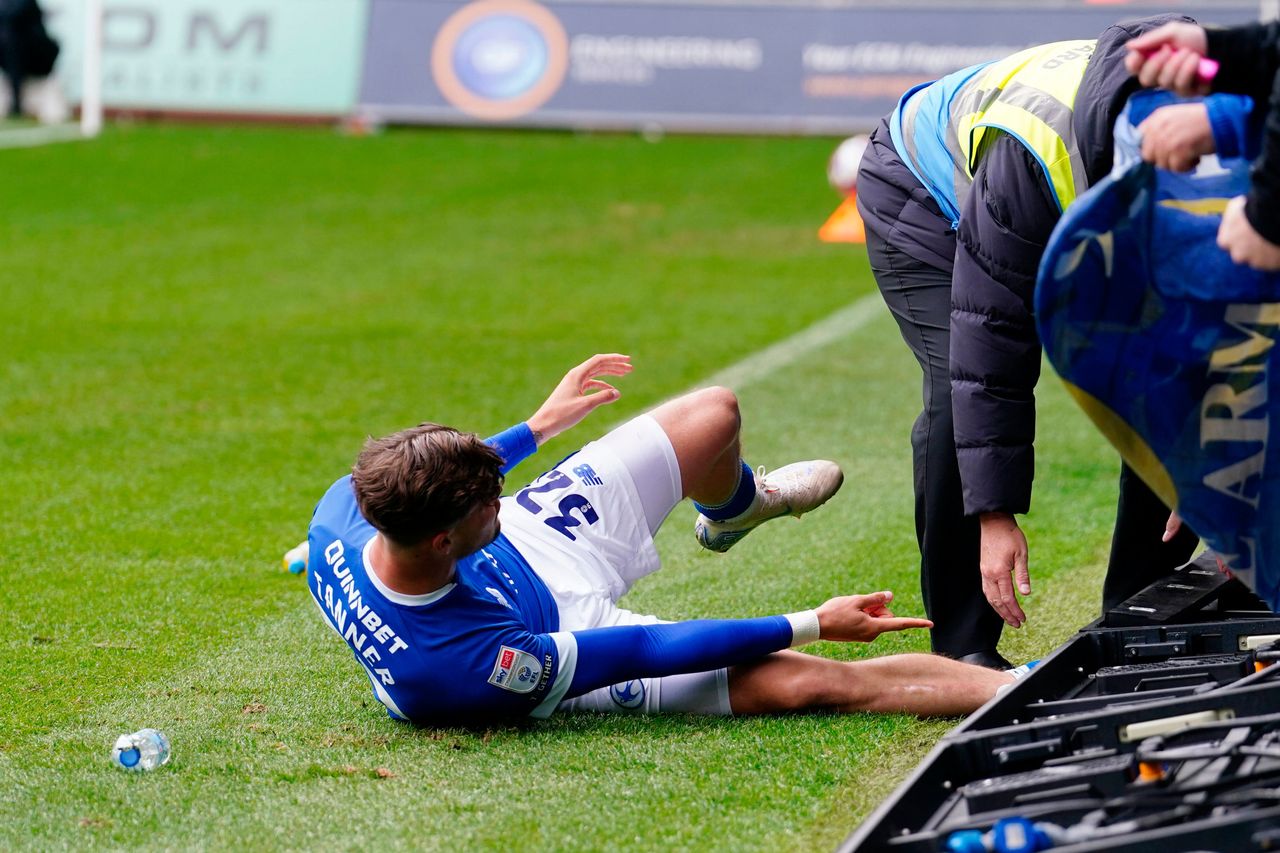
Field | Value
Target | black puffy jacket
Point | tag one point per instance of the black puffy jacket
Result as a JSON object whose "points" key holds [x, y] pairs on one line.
{"points": [[1004, 225]]}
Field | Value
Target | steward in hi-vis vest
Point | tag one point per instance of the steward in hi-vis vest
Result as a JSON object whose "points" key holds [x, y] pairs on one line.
{"points": [[959, 190], [940, 128]]}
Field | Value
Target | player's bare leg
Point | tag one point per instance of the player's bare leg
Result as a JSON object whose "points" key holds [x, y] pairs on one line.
{"points": [[703, 428], [926, 685], [731, 499]]}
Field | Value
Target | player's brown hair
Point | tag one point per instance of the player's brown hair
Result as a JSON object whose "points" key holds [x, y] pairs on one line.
{"points": [[420, 481]]}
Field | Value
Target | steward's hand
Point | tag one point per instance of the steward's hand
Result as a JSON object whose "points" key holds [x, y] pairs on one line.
{"points": [[1246, 246], [579, 394], [1004, 556], [862, 618], [1169, 57], [1177, 136]]}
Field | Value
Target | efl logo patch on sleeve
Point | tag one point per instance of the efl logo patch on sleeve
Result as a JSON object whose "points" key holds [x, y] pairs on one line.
{"points": [[515, 670]]}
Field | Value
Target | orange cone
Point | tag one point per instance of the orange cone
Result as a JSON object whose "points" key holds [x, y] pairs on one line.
{"points": [[845, 224]]}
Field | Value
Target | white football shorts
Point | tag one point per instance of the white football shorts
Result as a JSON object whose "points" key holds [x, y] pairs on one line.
{"points": [[586, 527]]}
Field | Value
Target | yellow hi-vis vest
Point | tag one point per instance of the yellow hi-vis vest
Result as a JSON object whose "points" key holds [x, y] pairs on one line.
{"points": [[1028, 95]]}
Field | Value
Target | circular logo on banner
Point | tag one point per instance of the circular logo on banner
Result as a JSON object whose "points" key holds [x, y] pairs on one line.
{"points": [[500, 59]]}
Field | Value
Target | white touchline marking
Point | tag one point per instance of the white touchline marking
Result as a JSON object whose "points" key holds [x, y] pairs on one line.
{"points": [[773, 358], [30, 137]]}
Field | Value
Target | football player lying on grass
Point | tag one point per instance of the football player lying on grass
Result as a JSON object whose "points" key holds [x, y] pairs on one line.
{"points": [[465, 608]]}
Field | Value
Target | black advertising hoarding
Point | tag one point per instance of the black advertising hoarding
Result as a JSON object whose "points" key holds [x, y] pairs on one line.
{"points": [[695, 66]]}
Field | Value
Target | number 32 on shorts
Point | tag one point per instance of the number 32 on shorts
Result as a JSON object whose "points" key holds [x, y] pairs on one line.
{"points": [[554, 481]]}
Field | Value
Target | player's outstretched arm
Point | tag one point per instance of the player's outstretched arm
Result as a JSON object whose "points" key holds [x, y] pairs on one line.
{"points": [[579, 393], [606, 656]]}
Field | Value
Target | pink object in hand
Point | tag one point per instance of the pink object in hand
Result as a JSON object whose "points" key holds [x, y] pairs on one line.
{"points": [[1207, 69]]}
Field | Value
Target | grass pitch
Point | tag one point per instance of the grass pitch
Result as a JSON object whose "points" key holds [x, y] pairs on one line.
{"points": [[201, 326]]}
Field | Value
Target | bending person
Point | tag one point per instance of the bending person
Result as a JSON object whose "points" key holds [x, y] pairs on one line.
{"points": [[960, 189], [464, 607]]}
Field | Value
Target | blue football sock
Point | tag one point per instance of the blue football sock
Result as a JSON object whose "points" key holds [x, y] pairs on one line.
{"points": [[738, 502]]}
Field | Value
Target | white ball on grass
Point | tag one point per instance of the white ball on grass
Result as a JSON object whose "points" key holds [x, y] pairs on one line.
{"points": [[842, 167]]}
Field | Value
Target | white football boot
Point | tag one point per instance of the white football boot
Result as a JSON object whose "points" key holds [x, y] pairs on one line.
{"points": [[791, 490]]}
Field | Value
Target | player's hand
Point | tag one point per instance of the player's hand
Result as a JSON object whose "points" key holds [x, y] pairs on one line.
{"points": [[1177, 136], [1004, 562], [1245, 245], [1169, 57], [862, 618], [579, 394], [1171, 527]]}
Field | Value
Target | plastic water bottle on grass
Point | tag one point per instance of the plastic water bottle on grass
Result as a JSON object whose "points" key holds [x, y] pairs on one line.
{"points": [[145, 749], [295, 559]]}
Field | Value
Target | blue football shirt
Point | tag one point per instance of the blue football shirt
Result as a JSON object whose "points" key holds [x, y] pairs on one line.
{"points": [[485, 646]]}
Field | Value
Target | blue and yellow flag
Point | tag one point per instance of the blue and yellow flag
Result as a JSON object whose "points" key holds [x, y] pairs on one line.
{"points": [[1170, 348]]}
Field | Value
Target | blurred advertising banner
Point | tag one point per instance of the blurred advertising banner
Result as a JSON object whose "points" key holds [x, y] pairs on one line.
{"points": [[687, 66], [288, 57]]}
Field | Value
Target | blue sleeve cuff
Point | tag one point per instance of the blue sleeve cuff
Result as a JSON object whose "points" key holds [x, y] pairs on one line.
{"points": [[1229, 119], [514, 444]]}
